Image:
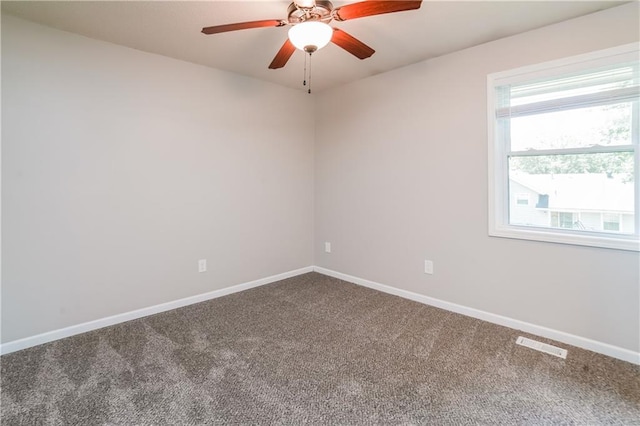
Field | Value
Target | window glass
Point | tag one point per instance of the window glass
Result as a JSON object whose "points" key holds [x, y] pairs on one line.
{"points": [[611, 222], [582, 127], [600, 183], [565, 151]]}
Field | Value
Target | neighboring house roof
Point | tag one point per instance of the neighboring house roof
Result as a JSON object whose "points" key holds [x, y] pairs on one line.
{"points": [[585, 191]]}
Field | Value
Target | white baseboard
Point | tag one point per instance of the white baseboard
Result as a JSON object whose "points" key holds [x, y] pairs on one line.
{"points": [[581, 342], [50, 336], [560, 336]]}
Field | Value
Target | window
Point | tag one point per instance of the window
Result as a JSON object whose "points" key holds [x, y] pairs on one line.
{"points": [[564, 134], [611, 222], [563, 220], [522, 199]]}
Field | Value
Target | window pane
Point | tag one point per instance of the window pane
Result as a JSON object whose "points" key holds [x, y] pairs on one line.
{"points": [[568, 221], [588, 192], [605, 125], [522, 199], [611, 222]]}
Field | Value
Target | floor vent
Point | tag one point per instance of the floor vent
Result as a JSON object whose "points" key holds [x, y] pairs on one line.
{"points": [[542, 347]]}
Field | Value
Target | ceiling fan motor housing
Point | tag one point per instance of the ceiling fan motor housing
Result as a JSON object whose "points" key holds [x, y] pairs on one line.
{"points": [[321, 11]]}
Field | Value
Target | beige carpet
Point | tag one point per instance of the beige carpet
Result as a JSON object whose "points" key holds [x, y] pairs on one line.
{"points": [[316, 350]]}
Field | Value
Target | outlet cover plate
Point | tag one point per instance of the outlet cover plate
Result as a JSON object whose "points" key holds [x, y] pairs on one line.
{"points": [[428, 267]]}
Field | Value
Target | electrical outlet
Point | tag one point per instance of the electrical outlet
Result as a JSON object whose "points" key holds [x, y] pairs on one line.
{"points": [[327, 247], [202, 265], [428, 267]]}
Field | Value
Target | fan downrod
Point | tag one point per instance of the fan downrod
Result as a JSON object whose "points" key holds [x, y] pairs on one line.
{"points": [[321, 11]]}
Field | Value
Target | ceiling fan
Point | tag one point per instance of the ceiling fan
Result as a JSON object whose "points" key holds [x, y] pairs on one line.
{"points": [[310, 29]]}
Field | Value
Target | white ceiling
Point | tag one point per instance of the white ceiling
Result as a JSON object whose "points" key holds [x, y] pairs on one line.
{"points": [[172, 28]]}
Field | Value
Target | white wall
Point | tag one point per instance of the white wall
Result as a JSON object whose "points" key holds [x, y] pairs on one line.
{"points": [[401, 176], [120, 169]]}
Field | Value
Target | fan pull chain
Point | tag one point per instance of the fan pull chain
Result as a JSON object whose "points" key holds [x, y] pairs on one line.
{"points": [[304, 78], [309, 91]]}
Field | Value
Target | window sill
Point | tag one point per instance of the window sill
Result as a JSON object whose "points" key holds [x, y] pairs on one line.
{"points": [[624, 242]]}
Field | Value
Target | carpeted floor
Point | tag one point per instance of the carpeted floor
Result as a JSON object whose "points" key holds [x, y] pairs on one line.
{"points": [[312, 349]]}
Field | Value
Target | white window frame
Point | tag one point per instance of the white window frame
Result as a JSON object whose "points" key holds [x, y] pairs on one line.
{"points": [[497, 162]]}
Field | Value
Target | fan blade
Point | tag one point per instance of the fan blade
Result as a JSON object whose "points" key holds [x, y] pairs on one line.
{"points": [[283, 55], [373, 7], [243, 26], [351, 44]]}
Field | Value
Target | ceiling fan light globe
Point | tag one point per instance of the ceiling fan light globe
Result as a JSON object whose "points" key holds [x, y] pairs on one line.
{"points": [[313, 33]]}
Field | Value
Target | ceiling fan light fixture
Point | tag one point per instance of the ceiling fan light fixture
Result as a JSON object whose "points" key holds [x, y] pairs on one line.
{"points": [[310, 36]]}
